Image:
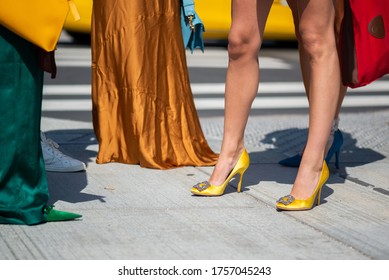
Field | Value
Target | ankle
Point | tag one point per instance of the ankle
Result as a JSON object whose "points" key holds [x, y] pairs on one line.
{"points": [[335, 126], [305, 183]]}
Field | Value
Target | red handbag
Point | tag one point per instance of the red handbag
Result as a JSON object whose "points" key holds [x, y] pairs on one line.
{"points": [[364, 41]]}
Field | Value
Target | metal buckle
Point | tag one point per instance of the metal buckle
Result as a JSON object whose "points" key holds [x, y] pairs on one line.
{"points": [[286, 200], [202, 186]]}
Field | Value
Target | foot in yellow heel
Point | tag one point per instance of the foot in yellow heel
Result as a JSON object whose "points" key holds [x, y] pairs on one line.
{"points": [[290, 203], [207, 189]]}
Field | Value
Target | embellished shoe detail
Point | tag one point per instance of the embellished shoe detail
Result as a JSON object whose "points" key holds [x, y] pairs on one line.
{"points": [[286, 200], [202, 186], [290, 203]]}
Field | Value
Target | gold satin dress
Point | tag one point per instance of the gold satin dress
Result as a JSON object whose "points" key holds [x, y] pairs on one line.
{"points": [[143, 108]]}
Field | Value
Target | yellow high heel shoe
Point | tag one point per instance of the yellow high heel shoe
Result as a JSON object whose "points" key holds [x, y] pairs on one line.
{"points": [[290, 203], [207, 189]]}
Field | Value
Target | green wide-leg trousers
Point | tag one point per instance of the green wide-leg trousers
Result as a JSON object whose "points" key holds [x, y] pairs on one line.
{"points": [[23, 184]]}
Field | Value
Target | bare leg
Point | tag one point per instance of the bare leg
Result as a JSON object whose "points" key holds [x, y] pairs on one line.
{"points": [[339, 13], [303, 55], [318, 40], [245, 38], [304, 58]]}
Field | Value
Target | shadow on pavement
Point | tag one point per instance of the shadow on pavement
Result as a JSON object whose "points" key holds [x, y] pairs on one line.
{"points": [[264, 165], [69, 186], [290, 141]]}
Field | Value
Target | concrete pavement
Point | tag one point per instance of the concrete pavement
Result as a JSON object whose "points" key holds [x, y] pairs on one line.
{"points": [[136, 213]]}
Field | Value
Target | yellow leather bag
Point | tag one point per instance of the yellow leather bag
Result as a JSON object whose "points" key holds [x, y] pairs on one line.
{"points": [[38, 21]]}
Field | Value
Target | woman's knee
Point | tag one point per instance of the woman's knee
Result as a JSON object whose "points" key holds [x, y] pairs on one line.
{"points": [[315, 41], [242, 44], [317, 30]]}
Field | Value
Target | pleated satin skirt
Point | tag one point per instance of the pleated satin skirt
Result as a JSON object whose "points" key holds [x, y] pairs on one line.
{"points": [[143, 108], [23, 184]]}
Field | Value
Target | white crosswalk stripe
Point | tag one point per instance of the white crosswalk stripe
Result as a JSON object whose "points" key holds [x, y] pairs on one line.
{"points": [[209, 96], [76, 57], [200, 92]]}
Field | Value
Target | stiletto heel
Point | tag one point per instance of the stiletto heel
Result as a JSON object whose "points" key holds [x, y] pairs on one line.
{"points": [[240, 181], [318, 198], [294, 161], [335, 148], [207, 189], [290, 203], [337, 160]]}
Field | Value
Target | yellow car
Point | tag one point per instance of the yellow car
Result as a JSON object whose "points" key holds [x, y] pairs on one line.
{"points": [[215, 14]]}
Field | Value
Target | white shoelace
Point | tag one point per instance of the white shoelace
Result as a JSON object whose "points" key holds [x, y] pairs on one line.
{"points": [[54, 147]]}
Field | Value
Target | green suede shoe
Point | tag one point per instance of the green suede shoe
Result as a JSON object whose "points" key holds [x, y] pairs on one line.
{"points": [[52, 215]]}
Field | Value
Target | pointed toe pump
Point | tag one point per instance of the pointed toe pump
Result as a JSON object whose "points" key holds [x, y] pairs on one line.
{"points": [[52, 215], [294, 161], [207, 189], [291, 203]]}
